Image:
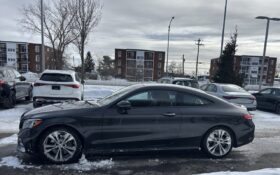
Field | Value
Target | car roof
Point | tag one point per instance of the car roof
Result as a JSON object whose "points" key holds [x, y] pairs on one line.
{"points": [[59, 72], [224, 84], [6, 68]]}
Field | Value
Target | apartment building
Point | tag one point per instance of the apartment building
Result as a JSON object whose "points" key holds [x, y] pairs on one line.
{"points": [[139, 65], [250, 67], [26, 57]]}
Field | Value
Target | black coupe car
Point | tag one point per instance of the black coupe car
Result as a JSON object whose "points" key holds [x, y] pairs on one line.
{"points": [[136, 118], [269, 99]]}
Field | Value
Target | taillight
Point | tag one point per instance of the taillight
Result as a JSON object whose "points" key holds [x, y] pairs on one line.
{"points": [[229, 97], [2, 82], [248, 117], [75, 86], [39, 84]]}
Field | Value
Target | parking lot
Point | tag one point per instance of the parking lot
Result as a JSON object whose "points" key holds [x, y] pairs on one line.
{"points": [[263, 153]]}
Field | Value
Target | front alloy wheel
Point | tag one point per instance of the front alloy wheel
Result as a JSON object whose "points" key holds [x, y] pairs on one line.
{"points": [[61, 146], [218, 142]]}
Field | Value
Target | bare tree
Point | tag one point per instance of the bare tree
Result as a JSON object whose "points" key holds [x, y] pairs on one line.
{"points": [[88, 15], [58, 20]]}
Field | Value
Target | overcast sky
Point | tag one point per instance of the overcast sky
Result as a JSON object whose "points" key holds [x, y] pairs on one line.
{"points": [[142, 24]]}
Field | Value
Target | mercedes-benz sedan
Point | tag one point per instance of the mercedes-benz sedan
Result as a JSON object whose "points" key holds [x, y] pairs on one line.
{"points": [[136, 118]]}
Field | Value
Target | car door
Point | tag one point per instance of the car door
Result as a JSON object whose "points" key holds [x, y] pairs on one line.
{"points": [[194, 110], [150, 123], [24, 86], [262, 98], [17, 84]]}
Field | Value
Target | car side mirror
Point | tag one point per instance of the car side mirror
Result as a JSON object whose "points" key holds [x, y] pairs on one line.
{"points": [[123, 106], [83, 81], [22, 78]]}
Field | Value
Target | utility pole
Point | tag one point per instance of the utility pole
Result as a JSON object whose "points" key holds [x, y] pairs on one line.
{"points": [[223, 32], [198, 46], [184, 65], [168, 37], [42, 36]]}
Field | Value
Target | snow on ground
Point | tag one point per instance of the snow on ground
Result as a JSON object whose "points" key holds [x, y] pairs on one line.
{"points": [[82, 165], [269, 171], [8, 140], [15, 162]]}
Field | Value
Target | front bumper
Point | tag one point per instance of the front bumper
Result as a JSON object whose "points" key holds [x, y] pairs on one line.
{"points": [[27, 141]]}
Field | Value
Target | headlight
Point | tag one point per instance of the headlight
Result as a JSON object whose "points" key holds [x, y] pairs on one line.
{"points": [[31, 123]]}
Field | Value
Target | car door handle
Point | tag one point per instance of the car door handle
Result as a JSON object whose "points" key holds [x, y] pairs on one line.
{"points": [[169, 114]]}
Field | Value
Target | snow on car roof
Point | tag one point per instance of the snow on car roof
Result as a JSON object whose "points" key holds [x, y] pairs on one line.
{"points": [[59, 71]]}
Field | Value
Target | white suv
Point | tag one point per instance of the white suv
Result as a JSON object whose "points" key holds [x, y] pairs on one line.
{"points": [[56, 86]]}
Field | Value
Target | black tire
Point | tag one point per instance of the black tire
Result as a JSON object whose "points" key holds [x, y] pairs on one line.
{"points": [[76, 154], [207, 144], [35, 104], [10, 101], [29, 97], [277, 109]]}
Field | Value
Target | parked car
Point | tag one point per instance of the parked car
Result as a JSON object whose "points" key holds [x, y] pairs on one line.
{"points": [[13, 87], [180, 81], [55, 86], [233, 94], [269, 99], [137, 118]]}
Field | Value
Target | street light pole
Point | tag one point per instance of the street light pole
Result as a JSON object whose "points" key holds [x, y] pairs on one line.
{"points": [[42, 36], [198, 46], [265, 45], [223, 32], [167, 54]]}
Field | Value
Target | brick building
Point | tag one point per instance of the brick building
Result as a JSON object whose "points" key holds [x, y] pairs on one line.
{"points": [[139, 65], [26, 57], [250, 67]]}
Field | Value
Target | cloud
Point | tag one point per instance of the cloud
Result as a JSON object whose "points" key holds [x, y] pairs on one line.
{"points": [[143, 24]]}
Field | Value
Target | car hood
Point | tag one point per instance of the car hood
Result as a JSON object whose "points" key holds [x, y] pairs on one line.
{"points": [[62, 107]]}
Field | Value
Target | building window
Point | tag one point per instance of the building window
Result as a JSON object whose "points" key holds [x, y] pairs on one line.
{"points": [[160, 56], [149, 55], [149, 64], [159, 65], [37, 49], [119, 54], [130, 55], [37, 58], [119, 71], [38, 67], [159, 73], [119, 62]]}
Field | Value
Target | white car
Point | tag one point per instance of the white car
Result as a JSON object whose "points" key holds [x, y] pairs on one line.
{"points": [[56, 86], [232, 93]]}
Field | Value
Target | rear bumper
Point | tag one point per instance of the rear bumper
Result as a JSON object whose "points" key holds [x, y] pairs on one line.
{"points": [[245, 135]]}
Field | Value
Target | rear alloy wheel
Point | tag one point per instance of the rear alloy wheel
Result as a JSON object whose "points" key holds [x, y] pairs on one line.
{"points": [[10, 100], [61, 145], [218, 142]]}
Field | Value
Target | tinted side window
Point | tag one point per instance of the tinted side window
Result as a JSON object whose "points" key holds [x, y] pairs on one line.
{"points": [[77, 78], [153, 98], [1, 74], [56, 77], [211, 88], [185, 99]]}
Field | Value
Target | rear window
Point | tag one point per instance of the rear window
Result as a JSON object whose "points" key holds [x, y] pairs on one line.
{"points": [[56, 77], [232, 88]]}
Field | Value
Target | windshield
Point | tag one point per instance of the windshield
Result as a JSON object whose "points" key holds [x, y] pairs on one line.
{"points": [[115, 95], [232, 88]]}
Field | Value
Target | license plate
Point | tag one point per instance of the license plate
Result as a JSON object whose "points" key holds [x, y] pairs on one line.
{"points": [[55, 87]]}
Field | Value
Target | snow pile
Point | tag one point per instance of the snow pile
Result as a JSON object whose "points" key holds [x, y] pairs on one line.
{"points": [[14, 162], [9, 119], [85, 165], [270, 171], [9, 140]]}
